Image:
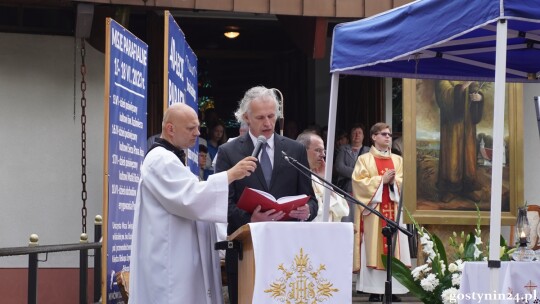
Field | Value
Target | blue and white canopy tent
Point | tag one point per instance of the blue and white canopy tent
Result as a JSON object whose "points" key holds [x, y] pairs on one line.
{"points": [[488, 40], [452, 40]]}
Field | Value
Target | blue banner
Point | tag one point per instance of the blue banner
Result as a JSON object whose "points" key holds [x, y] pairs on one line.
{"points": [[182, 77], [127, 103]]}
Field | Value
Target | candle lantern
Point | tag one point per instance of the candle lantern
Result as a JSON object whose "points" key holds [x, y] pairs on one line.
{"points": [[523, 229]]}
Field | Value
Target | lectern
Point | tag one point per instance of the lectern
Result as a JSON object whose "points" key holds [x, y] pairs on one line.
{"points": [[295, 261], [246, 266]]}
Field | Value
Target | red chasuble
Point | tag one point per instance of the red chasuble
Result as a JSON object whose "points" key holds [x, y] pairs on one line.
{"points": [[386, 206]]}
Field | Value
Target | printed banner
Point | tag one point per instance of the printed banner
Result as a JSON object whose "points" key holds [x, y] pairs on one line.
{"points": [[127, 58], [181, 81]]}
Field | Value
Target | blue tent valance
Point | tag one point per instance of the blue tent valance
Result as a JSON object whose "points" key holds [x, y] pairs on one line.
{"points": [[441, 39]]}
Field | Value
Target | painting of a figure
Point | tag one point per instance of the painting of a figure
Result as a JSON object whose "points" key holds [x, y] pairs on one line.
{"points": [[454, 122]]}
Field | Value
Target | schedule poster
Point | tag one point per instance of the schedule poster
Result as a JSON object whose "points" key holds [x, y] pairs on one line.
{"points": [[125, 144]]}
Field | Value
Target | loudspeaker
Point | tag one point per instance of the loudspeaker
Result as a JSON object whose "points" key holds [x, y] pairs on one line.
{"points": [[85, 14]]}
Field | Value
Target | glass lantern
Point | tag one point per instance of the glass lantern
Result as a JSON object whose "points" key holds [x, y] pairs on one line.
{"points": [[523, 229]]}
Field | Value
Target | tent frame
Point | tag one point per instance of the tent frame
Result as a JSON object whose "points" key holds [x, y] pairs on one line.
{"points": [[498, 132]]}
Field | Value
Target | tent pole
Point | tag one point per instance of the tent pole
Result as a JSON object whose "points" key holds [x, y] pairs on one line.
{"points": [[334, 86], [498, 134]]}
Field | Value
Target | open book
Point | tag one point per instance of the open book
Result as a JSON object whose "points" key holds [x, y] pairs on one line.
{"points": [[251, 198]]}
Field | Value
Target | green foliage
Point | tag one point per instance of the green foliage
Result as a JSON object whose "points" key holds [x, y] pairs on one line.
{"points": [[437, 281], [402, 274]]}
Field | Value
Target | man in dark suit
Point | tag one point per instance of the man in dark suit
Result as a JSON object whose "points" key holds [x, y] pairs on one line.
{"points": [[259, 108]]}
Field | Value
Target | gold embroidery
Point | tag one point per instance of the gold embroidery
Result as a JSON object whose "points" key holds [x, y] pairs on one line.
{"points": [[301, 283]]}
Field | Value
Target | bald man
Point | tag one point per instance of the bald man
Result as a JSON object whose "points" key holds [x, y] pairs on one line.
{"points": [[317, 163], [171, 252]]}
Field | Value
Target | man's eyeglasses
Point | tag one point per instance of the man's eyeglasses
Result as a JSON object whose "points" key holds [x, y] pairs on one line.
{"points": [[385, 134], [320, 151]]}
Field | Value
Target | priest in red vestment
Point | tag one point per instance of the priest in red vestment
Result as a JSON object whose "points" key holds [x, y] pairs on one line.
{"points": [[376, 181]]}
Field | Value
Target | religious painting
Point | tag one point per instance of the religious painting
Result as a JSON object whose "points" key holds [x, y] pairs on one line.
{"points": [[449, 127]]}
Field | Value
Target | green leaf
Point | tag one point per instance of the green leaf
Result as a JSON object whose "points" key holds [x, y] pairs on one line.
{"points": [[436, 267], [440, 249], [503, 241], [505, 256], [402, 274], [469, 248]]}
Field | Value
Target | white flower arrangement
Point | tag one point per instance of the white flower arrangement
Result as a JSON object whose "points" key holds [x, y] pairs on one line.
{"points": [[437, 281], [449, 295], [430, 282]]}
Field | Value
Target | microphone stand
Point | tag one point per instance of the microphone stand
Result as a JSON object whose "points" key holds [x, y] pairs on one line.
{"points": [[388, 231], [398, 216]]}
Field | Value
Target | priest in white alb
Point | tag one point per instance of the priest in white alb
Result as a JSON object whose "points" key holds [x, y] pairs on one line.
{"points": [[172, 260]]}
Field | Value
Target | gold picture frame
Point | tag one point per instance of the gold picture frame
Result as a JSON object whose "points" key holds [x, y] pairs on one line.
{"points": [[423, 193]]}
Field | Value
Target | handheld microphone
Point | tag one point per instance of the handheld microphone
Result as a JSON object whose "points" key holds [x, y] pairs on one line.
{"points": [[261, 140]]}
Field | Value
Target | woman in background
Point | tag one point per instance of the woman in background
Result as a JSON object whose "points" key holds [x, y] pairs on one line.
{"points": [[216, 137], [345, 161]]}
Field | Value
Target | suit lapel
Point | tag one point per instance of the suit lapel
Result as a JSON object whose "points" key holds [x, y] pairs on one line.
{"points": [[247, 145]]}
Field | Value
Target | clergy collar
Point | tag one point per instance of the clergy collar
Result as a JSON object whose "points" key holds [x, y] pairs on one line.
{"points": [[160, 142], [387, 151]]}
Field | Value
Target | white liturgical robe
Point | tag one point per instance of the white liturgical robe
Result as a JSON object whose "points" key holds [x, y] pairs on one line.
{"points": [[172, 260]]}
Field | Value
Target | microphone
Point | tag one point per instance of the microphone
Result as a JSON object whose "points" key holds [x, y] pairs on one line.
{"points": [[261, 140], [285, 156], [288, 158]]}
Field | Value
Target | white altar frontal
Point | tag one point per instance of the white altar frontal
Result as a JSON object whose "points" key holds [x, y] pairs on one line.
{"points": [[518, 282], [302, 262]]}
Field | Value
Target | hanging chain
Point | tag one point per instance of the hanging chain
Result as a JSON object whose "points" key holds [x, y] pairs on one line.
{"points": [[83, 136]]}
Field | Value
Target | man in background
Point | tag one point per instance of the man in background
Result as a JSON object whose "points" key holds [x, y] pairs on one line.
{"points": [[316, 158]]}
